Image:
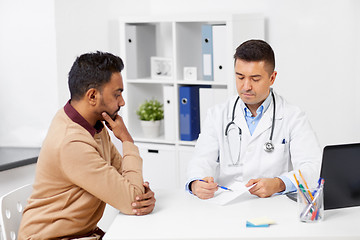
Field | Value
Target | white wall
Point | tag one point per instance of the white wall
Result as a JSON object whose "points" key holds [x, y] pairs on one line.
{"points": [[315, 42], [317, 49], [27, 71]]}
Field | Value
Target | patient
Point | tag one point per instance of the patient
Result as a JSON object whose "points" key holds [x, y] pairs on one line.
{"points": [[79, 169]]}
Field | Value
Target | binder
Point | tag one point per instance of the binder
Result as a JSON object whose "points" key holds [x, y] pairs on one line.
{"points": [[169, 112], [140, 46], [219, 53], [207, 51], [208, 97], [189, 112]]}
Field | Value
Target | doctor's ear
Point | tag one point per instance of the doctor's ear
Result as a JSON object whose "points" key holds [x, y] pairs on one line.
{"points": [[272, 77]]}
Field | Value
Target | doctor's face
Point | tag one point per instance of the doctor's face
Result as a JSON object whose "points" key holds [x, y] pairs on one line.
{"points": [[253, 82]]}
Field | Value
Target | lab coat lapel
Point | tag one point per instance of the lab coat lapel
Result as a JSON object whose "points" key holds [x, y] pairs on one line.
{"points": [[265, 122]]}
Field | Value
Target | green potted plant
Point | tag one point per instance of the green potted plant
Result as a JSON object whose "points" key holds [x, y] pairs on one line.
{"points": [[151, 113]]}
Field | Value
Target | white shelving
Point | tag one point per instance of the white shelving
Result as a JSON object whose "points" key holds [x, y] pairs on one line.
{"points": [[178, 38]]}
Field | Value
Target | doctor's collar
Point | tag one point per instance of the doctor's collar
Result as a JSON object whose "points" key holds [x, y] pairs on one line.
{"points": [[263, 107]]}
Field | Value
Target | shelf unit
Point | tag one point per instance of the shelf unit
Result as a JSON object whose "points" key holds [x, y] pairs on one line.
{"points": [[178, 38]]}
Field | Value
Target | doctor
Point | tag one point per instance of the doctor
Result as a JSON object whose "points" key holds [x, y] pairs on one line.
{"points": [[256, 136]]}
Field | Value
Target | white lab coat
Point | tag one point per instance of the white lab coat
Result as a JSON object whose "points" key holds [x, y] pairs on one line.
{"points": [[301, 149]]}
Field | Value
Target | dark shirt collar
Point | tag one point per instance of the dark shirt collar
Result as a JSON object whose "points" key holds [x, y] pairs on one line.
{"points": [[76, 117]]}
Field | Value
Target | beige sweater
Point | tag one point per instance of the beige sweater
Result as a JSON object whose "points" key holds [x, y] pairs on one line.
{"points": [[76, 174]]}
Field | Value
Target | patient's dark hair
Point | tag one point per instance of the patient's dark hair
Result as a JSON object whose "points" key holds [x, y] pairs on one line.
{"points": [[256, 50], [92, 70]]}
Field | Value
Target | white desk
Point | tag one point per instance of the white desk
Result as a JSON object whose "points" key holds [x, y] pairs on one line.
{"points": [[178, 215]]}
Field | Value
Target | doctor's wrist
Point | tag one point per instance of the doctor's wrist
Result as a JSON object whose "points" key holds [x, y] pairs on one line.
{"points": [[280, 185]]}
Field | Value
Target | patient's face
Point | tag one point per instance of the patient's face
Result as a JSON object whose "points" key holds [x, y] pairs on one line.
{"points": [[111, 98]]}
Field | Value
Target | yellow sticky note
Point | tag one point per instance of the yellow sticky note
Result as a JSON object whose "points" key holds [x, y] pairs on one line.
{"points": [[261, 221]]}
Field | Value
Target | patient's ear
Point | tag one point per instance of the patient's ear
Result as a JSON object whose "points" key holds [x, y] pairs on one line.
{"points": [[91, 96]]}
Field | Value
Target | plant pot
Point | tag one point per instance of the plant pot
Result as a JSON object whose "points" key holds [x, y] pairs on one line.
{"points": [[151, 129]]}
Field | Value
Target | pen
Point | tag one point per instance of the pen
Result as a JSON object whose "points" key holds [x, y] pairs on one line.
{"points": [[314, 214], [297, 182], [318, 187], [307, 187], [299, 190], [225, 188], [305, 193]]}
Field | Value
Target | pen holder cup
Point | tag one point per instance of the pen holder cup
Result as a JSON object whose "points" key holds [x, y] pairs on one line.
{"points": [[311, 205]]}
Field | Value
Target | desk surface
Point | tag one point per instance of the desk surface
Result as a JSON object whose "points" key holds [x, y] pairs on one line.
{"points": [[178, 215], [12, 157]]}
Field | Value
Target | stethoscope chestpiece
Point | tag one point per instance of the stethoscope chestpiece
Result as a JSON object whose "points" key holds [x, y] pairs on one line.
{"points": [[268, 147]]}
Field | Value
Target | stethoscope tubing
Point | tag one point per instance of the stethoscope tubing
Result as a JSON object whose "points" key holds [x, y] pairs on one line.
{"points": [[269, 147]]}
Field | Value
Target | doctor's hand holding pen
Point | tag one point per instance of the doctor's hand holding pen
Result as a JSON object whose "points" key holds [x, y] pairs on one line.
{"points": [[204, 188], [266, 187]]}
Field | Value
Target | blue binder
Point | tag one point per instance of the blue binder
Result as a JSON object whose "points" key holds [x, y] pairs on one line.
{"points": [[207, 52], [189, 112]]}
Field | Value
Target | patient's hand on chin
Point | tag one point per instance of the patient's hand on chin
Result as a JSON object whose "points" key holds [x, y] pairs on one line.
{"points": [[118, 127]]}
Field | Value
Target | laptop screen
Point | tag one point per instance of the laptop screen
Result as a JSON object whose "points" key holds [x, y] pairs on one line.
{"points": [[341, 171]]}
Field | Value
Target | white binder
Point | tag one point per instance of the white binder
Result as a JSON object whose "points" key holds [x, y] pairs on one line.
{"points": [[207, 52], [169, 112], [208, 98], [219, 52], [140, 46]]}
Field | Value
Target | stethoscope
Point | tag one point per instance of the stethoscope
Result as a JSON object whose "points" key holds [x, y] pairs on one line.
{"points": [[268, 146]]}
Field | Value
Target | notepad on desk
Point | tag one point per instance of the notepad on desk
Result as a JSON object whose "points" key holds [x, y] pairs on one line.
{"points": [[223, 197], [259, 222]]}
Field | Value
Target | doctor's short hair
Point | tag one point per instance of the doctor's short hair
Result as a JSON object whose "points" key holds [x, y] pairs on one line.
{"points": [[92, 70], [256, 50]]}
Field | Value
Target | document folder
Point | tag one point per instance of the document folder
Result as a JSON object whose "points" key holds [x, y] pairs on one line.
{"points": [[169, 112], [219, 54], [207, 51], [140, 46], [189, 113], [208, 97]]}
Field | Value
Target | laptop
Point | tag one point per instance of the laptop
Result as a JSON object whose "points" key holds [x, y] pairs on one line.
{"points": [[341, 171]]}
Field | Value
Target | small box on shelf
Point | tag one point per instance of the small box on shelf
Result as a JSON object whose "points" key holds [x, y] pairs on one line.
{"points": [[190, 73]]}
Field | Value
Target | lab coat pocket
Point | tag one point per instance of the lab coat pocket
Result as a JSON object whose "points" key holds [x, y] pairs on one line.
{"points": [[279, 150], [276, 162]]}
